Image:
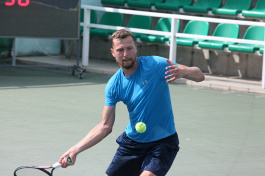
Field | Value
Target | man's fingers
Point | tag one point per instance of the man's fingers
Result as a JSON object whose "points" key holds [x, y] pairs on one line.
{"points": [[173, 71], [169, 72], [64, 162], [169, 62], [172, 79]]}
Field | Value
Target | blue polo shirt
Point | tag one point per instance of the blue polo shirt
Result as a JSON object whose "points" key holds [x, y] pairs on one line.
{"points": [[146, 94]]}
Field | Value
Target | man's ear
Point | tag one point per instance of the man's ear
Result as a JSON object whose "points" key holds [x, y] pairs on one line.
{"points": [[112, 52], [135, 47]]}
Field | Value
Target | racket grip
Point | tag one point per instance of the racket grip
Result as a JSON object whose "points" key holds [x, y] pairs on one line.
{"points": [[69, 160], [56, 165]]}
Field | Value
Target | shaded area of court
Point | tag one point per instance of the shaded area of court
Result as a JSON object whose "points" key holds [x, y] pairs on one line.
{"points": [[44, 112]]}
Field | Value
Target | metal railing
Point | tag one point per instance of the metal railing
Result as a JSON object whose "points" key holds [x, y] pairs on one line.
{"points": [[173, 34]]}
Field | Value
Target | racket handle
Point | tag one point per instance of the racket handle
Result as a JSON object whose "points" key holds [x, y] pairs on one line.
{"points": [[56, 165], [69, 160]]}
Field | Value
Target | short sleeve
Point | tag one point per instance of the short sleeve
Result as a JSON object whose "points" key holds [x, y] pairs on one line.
{"points": [[161, 65], [110, 94]]}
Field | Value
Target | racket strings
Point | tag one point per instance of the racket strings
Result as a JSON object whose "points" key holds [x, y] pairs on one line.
{"points": [[32, 172]]}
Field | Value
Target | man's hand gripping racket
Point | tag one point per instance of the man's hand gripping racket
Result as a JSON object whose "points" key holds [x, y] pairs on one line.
{"points": [[38, 170]]}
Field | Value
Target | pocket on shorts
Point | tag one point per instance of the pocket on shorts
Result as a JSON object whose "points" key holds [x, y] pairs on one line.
{"points": [[125, 141], [173, 143]]}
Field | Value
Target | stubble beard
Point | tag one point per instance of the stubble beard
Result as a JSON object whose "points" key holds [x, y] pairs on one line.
{"points": [[127, 65]]}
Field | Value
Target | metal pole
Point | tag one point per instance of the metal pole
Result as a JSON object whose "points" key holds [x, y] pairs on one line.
{"points": [[263, 64], [86, 38], [14, 53], [173, 40]]}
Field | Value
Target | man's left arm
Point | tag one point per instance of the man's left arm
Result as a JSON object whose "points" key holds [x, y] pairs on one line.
{"points": [[181, 71]]}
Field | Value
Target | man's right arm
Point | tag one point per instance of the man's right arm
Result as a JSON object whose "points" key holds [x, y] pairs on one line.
{"points": [[98, 133]]}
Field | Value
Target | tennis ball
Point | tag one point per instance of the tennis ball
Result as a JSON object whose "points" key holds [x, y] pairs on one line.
{"points": [[140, 127]]}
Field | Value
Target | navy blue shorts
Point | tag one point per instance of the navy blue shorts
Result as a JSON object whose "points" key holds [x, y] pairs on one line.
{"points": [[132, 158]]}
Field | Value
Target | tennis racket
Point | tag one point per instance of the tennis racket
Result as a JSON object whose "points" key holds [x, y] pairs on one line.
{"points": [[38, 170]]}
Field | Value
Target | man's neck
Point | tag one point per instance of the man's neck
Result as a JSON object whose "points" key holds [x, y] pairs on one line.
{"points": [[130, 72]]}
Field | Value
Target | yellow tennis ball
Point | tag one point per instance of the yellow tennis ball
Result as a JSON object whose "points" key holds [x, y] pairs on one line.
{"points": [[140, 127]]}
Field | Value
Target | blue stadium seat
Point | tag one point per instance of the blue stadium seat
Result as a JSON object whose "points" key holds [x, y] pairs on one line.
{"points": [[172, 4], [203, 6], [143, 3], [141, 22], [252, 33], [222, 30], [108, 18], [261, 50], [233, 7], [194, 27], [163, 24], [114, 2], [93, 18], [258, 11]]}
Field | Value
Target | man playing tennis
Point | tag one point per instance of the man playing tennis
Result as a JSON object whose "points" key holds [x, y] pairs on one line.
{"points": [[142, 84]]}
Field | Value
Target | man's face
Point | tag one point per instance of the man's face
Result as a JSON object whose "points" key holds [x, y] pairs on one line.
{"points": [[124, 52]]}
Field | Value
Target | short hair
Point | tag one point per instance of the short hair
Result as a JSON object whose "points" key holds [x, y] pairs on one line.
{"points": [[121, 34]]}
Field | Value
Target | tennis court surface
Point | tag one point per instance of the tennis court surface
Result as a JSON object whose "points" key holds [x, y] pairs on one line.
{"points": [[44, 112]]}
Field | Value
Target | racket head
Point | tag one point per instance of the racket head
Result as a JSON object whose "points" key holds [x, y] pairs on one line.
{"points": [[37, 170], [34, 171]]}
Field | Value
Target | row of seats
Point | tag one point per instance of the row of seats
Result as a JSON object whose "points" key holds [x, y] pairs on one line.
{"points": [[202, 28], [231, 7], [192, 27]]}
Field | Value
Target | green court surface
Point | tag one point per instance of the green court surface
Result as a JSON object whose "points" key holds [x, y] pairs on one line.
{"points": [[44, 112]]}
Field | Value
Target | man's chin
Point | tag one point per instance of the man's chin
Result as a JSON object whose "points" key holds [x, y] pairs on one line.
{"points": [[127, 66]]}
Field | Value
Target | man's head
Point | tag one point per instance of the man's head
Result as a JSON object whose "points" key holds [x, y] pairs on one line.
{"points": [[124, 49], [120, 35]]}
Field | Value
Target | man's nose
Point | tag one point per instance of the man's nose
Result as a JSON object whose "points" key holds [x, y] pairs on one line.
{"points": [[125, 53]]}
